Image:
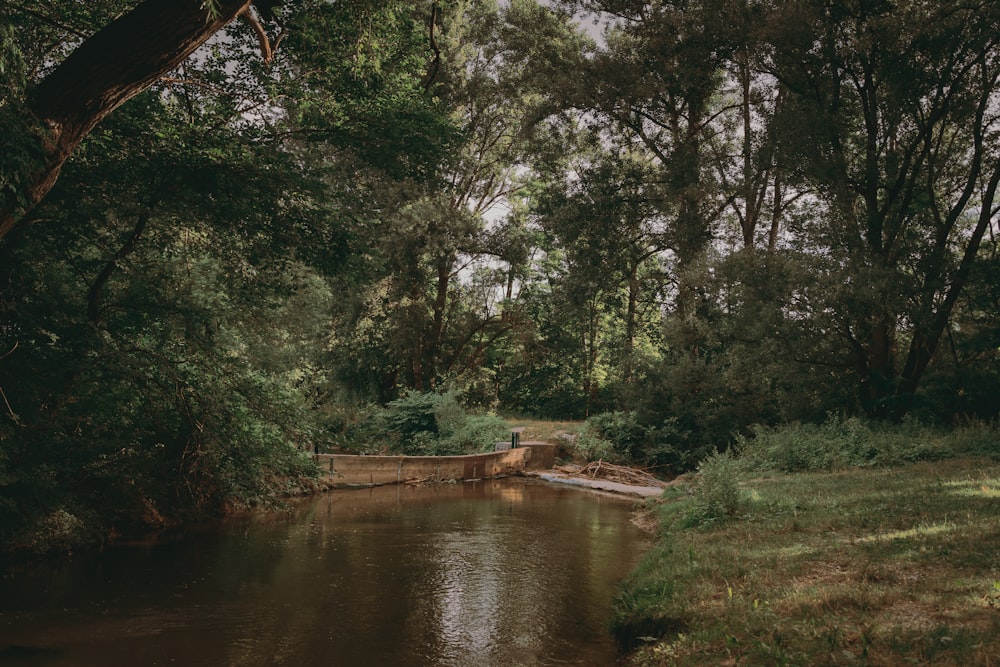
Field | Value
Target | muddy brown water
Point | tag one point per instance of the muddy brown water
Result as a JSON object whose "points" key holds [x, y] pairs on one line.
{"points": [[505, 572]]}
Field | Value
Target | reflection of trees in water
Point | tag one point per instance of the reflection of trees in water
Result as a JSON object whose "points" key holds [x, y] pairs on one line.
{"points": [[491, 573]]}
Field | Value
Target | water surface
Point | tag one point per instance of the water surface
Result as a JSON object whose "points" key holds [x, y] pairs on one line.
{"points": [[506, 572]]}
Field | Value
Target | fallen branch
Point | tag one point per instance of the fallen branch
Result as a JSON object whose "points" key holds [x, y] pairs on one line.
{"points": [[615, 473]]}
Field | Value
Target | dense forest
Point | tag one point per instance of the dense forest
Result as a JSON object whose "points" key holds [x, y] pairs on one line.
{"points": [[235, 233]]}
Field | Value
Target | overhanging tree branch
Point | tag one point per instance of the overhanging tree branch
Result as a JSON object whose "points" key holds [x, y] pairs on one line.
{"points": [[106, 70]]}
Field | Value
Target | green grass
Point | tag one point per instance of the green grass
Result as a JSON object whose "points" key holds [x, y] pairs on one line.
{"points": [[866, 566]]}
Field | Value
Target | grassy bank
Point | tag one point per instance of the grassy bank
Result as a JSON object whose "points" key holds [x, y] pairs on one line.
{"points": [[885, 564]]}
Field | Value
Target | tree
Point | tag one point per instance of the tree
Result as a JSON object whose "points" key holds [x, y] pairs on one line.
{"points": [[608, 224], [107, 69], [747, 150], [168, 322], [895, 115], [145, 382], [444, 236], [655, 85]]}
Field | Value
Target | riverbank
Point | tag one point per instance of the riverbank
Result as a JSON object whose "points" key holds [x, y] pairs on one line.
{"points": [[861, 566]]}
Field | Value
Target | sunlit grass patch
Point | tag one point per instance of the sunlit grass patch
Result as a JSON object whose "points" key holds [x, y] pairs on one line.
{"points": [[991, 598], [978, 488], [791, 551], [542, 429], [910, 533]]}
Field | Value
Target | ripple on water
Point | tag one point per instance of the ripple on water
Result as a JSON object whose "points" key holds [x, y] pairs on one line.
{"points": [[497, 573]]}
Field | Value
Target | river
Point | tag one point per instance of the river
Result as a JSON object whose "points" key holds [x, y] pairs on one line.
{"points": [[500, 572]]}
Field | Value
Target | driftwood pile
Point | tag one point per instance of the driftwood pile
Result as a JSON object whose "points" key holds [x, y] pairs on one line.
{"points": [[613, 473]]}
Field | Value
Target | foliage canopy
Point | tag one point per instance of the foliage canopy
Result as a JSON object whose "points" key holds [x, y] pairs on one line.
{"points": [[689, 221]]}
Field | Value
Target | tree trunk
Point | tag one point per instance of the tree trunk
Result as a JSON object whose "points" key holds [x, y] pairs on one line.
{"points": [[694, 233], [444, 266], [878, 383], [751, 214], [105, 71], [631, 315], [776, 209], [590, 344]]}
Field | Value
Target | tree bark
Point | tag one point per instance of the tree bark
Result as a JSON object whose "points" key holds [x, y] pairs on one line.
{"points": [[631, 316], [444, 266], [879, 377], [105, 71]]}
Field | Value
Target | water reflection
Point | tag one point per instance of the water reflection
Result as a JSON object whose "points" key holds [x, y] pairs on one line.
{"points": [[493, 573]]}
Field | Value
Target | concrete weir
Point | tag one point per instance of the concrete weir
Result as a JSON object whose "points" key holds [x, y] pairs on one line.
{"points": [[351, 470]]}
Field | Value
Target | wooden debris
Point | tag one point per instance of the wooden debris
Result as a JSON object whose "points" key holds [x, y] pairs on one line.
{"points": [[613, 473]]}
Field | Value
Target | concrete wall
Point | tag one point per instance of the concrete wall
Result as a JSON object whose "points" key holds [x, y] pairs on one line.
{"points": [[349, 470]]}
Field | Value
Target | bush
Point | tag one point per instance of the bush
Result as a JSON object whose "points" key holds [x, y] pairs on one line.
{"points": [[476, 433], [852, 442], [623, 429], [414, 414], [59, 531], [717, 494], [592, 447], [670, 447], [617, 437], [622, 438], [435, 424]]}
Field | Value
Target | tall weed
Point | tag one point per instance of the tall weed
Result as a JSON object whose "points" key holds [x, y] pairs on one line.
{"points": [[717, 493]]}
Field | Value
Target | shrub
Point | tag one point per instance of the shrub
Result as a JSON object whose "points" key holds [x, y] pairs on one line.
{"points": [[670, 447], [617, 437], [852, 442], [476, 433], [974, 438], [622, 437], [412, 415], [717, 494], [593, 447], [431, 423], [623, 429], [58, 531]]}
